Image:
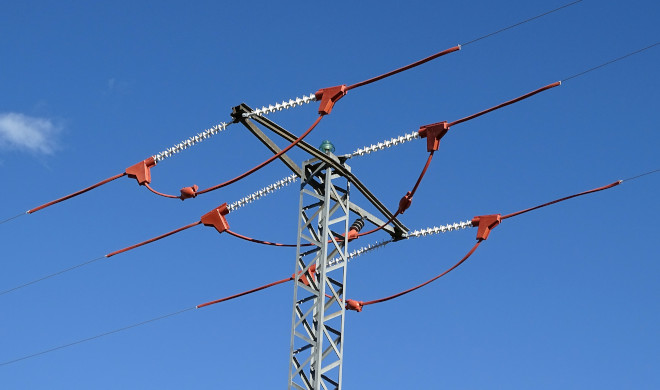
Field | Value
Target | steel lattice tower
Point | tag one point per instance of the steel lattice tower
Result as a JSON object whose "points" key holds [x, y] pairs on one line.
{"points": [[317, 330]]}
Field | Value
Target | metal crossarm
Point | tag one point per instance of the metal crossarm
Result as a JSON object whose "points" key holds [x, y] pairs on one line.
{"points": [[317, 325], [397, 231]]}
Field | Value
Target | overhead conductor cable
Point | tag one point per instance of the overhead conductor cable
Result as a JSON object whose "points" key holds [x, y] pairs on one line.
{"points": [[215, 218], [484, 223], [327, 96]]}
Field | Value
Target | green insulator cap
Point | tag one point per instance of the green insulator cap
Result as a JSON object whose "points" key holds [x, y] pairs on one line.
{"points": [[327, 147]]}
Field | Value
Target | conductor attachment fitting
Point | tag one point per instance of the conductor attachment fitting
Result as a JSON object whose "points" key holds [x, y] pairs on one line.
{"points": [[433, 133], [216, 218], [141, 171], [486, 223], [328, 97]]}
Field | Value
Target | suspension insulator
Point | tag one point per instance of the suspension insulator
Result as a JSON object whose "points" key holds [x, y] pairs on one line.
{"points": [[357, 225], [355, 228]]}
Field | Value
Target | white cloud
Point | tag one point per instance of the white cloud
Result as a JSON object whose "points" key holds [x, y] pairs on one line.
{"points": [[22, 132]]}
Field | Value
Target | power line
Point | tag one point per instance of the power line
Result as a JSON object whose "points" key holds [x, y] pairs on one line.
{"points": [[149, 321], [519, 23], [12, 218], [51, 275], [610, 62], [96, 337], [233, 207], [643, 174], [351, 304]]}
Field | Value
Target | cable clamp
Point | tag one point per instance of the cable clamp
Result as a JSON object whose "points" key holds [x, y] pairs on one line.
{"points": [[433, 133], [352, 304], [328, 97], [310, 272], [216, 218], [141, 171], [486, 223], [189, 192]]}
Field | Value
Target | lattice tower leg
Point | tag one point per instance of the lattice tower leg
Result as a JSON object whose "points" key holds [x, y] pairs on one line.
{"points": [[317, 331]]}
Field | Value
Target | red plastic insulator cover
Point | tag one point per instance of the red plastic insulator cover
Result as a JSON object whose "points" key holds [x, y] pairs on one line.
{"points": [[433, 133], [311, 272], [405, 202], [353, 234], [189, 192], [352, 304], [216, 218], [328, 97], [486, 223], [141, 171]]}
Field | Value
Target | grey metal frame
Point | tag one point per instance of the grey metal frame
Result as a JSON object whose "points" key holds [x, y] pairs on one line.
{"points": [[317, 326], [398, 230]]}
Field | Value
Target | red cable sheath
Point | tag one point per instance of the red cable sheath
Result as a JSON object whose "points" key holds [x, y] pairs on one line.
{"points": [[381, 226], [421, 176], [153, 239], [263, 164], [616, 183], [43, 206], [242, 237], [412, 193], [525, 96], [414, 64], [428, 281], [245, 293], [160, 193]]}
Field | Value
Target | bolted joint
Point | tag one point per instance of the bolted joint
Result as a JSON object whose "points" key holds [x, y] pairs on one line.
{"points": [[486, 223], [405, 202], [189, 192], [141, 171], [352, 304], [310, 272], [216, 218], [433, 133], [328, 97]]}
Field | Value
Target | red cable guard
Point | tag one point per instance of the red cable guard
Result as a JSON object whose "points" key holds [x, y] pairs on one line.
{"points": [[191, 192], [245, 293], [263, 164], [153, 239], [485, 223], [616, 183], [358, 305], [414, 64], [108, 180]]}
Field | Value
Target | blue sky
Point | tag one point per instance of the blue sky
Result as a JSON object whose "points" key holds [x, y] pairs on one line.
{"points": [[565, 297]]}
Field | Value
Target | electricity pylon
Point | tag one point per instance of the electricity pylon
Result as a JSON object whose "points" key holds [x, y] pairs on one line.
{"points": [[319, 304]]}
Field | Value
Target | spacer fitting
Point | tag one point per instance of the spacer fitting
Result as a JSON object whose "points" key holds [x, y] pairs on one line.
{"points": [[141, 171], [405, 202], [188, 192], [352, 304], [216, 218], [433, 133], [486, 223], [328, 97], [311, 272]]}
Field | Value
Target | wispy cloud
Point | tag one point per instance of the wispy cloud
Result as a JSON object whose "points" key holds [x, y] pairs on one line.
{"points": [[22, 132]]}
